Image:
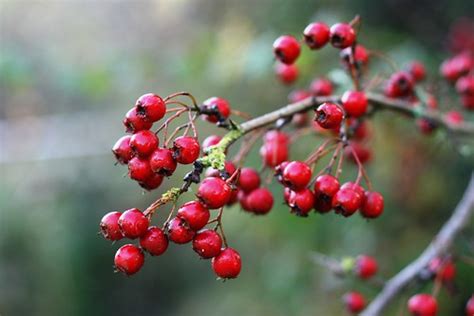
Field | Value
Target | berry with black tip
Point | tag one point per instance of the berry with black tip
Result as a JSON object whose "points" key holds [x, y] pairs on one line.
{"points": [[301, 202], [151, 106], [129, 259], [134, 122], [109, 226], [186, 149], [329, 115], [342, 35], [179, 231], [316, 35], [122, 150], [144, 143], [286, 49], [162, 162], [220, 105]]}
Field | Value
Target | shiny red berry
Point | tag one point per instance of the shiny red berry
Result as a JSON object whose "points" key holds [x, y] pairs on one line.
{"points": [[276, 136], [152, 182], [259, 201], [133, 223], [365, 266], [242, 197], [329, 115], [470, 306], [186, 149], [453, 117], [139, 169], [342, 35], [296, 175], [354, 302], [422, 305], [207, 244], [400, 84], [154, 241], [179, 232], [346, 202], [144, 143], [214, 192], [195, 214], [287, 74], [354, 186], [109, 226], [286, 49], [417, 70], [354, 103], [456, 67], [162, 162], [325, 187], [134, 122], [122, 150], [129, 259], [274, 153], [301, 202], [227, 264], [316, 35], [321, 87], [151, 106], [249, 179], [210, 141], [443, 268], [229, 169], [372, 206], [219, 104], [360, 57]]}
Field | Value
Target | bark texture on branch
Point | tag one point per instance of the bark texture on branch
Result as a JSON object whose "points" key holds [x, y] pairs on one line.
{"points": [[437, 247]]}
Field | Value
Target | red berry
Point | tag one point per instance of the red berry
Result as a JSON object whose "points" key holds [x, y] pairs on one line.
{"points": [[286, 49], [152, 182], [219, 104], [453, 117], [144, 143], [210, 141], [365, 266], [417, 70], [186, 149], [195, 214], [242, 197], [287, 74], [456, 67], [467, 100], [109, 226], [329, 115], [301, 202], [129, 259], [214, 192], [425, 125], [227, 264], [321, 87], [325, 187], [151, 106], [361, 151], [400, 84], [354, 302], [465, 85], [249, 180], [316, 35], [229, 169], [346, 202], [422, 305], [354, 186], [470, 306], [207, 244], [373, 205], [360, 58], [354, 103], [296, 175], [134, 122], [154, 241], [443, 268], [274, 153], [133, 223], [139, 169], [234, 197], [122, 150], [342, 35], [259, 201], [298, 95], [162, 162], [179, 232], [276, 136]]}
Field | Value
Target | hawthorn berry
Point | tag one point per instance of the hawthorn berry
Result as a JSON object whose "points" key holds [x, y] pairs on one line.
{"points": [[129, 259], [287, 74], [109, 226], [443, 268], [467, 100], [465, 85], [139, 169], [242, 197], [195, 214], [372, 206], [453, 117], [400, 84], [154, 241], [325, 187], [274, 153], [151, 106], [249, 179], [417, 70], [229, 169], [470, 306], [152, 182], [227, 264], [144, 143], [346, 201], [207, 244], [365, 266], [321, 87], [422, 305], [179, 232], [186, 149], [286, 49], [361, 151], [360, 57], [133, 223], [426, 126], [301, 202], [122, 150], [210, 141], [218, 104], [259, 201], [342, 35], [316, 35], [276, 136], [214, 192], [162, 162], [329, 115], [456, 67], [134, 122], [354, 302], [296, 175], [354, 103]]}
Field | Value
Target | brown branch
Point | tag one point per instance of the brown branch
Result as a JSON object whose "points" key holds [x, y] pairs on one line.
{"points": [[437, 247]]}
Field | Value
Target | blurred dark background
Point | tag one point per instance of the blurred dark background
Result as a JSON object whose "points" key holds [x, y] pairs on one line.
{"points": [[69, 70]]}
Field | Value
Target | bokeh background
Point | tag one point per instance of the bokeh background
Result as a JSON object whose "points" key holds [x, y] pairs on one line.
{"points": [[69, 70]]}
